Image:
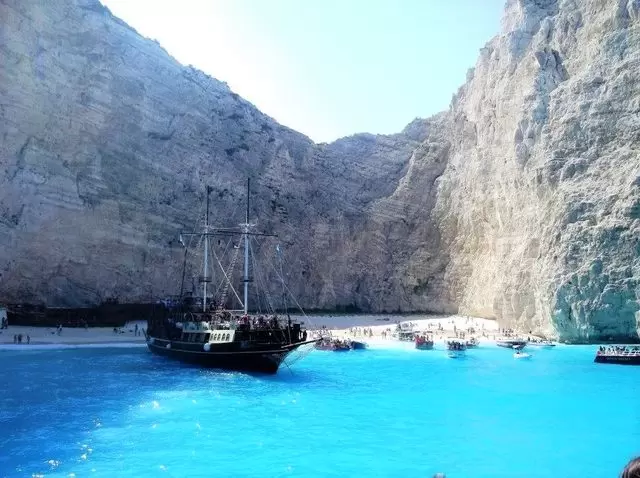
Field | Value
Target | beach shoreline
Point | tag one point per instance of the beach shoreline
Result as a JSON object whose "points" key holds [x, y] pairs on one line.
{"points": [[72, 336], [442, 326]]}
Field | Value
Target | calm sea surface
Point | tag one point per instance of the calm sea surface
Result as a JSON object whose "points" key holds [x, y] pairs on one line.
{"points": [[393, 411]]}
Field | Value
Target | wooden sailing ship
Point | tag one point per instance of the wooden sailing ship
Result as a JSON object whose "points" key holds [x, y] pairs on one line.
{"points": [[204, 332]]}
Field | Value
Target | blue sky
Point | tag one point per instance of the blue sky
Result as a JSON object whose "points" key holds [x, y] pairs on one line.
{"points": [[326, 68]]}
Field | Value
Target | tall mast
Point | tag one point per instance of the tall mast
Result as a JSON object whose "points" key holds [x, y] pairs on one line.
{"points": [[205, 273], [246, 253]]}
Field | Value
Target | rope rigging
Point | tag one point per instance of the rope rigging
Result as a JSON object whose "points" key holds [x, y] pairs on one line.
{"points": [[263, 274], [226, 274], [262, 282]]}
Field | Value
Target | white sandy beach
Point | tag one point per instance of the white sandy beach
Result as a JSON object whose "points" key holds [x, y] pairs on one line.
{"points": [[68, 336], [485, 329]]}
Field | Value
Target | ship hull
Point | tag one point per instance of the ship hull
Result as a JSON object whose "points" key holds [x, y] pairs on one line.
{"points": [[426, 346], [618, 359], [262, 359]]}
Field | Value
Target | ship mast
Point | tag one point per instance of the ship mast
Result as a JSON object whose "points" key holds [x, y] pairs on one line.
{"points": [[244, 231], [246, 253], [205, 273]]}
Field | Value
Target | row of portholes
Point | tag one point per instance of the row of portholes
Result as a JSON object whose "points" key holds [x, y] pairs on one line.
{"points": [[218, 337]]}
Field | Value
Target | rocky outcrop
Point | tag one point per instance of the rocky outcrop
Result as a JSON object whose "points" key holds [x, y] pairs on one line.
{"points": [[520, 203], [538, 205], [108, 143]]}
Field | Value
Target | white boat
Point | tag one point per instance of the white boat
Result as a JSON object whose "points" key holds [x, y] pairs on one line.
{"points": [[455, 348], [545, 344], [406, 335], [510, 343], [472, 343], [521, 355]]}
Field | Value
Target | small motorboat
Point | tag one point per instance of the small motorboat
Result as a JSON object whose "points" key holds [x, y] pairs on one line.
{"points": [[333, 345], [324, 344], [521, 355], [423, 342], [544, 344], [406, 335], [456, 348], [341, 347], [472, 343], [357, 345], [509, 343]]}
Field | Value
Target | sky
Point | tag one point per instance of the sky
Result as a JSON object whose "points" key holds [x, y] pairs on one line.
{"points": [[326, 68]]}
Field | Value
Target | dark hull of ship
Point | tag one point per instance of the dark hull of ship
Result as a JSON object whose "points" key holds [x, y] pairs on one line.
{"points": [[230, 356], [618, 359]]}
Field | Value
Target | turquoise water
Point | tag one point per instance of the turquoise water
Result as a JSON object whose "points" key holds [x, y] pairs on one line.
{"points": [[383, 412]]}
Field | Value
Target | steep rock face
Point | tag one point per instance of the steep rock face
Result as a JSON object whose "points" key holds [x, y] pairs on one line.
{"points": [[107, 144], [538, 206], [521, 202]]}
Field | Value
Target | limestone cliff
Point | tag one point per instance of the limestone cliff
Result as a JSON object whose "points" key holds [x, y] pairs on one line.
{"points": [[522, 202], [108, 143], [540, 201]]}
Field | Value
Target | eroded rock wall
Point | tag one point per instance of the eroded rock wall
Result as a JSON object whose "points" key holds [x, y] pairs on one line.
{"points": [[539, 203], [520, 203], [108, 143]]}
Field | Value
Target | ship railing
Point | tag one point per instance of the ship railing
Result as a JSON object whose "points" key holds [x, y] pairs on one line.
{"points": [[620, 352]]}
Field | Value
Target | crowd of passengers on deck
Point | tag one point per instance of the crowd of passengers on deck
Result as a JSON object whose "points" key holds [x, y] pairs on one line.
{"points": [[619, 350], [237, 322], [421, 339], [453, 345]]}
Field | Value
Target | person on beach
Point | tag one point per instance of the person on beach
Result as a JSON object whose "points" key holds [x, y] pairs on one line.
{"points": [[28, 339], [136, 330], [632, 470]]}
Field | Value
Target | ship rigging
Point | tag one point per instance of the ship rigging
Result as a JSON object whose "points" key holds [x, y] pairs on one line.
{"points": [[211, 334]]}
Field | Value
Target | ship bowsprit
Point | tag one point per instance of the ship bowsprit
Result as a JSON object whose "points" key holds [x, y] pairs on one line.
{"points": [[299, 353]]}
